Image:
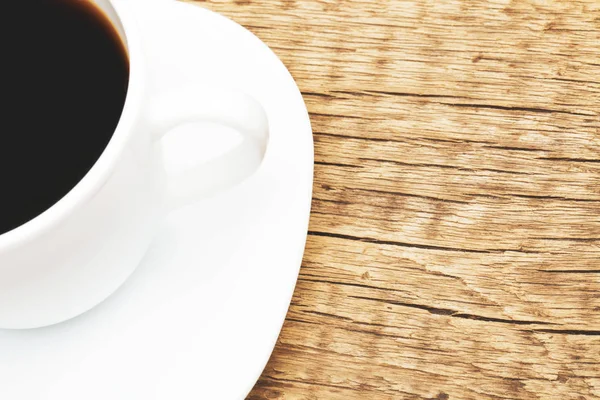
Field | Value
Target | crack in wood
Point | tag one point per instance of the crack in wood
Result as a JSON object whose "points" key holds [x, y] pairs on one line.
{"points": [[396, 140], [324, 95], [512, 148], [337, 115], [330, 164], [537, 110], [414, 195], [417, 246], [444, 166], [453, 313], [570, 159], [576, 332], [545, 197], [571, 271]]}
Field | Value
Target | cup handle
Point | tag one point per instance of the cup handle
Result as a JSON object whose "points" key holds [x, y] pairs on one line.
{"points": [[231, 108]]}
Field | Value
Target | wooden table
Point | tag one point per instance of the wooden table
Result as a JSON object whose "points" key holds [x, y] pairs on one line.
{"points": [[454, 246]]}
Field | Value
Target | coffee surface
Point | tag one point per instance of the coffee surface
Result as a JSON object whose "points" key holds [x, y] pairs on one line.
{"points": [[63, 82]]}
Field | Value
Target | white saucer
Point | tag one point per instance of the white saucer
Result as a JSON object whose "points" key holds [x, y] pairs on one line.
{"points": [[201, 315]]}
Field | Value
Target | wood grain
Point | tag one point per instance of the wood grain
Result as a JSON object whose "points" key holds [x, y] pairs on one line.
{"points": [[454, 245]]}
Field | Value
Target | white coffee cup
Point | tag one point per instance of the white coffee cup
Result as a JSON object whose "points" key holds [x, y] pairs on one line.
{"points": [[77, 253]]}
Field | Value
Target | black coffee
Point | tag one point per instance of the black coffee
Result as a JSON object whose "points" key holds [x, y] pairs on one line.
{"points": [[64, 73]]}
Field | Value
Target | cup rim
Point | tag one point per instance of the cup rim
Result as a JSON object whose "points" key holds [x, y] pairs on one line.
{"points": [[96, 177]]}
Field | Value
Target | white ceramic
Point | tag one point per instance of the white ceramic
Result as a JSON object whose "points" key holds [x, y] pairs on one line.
{"points": [[78, 252], [199, 317]]}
